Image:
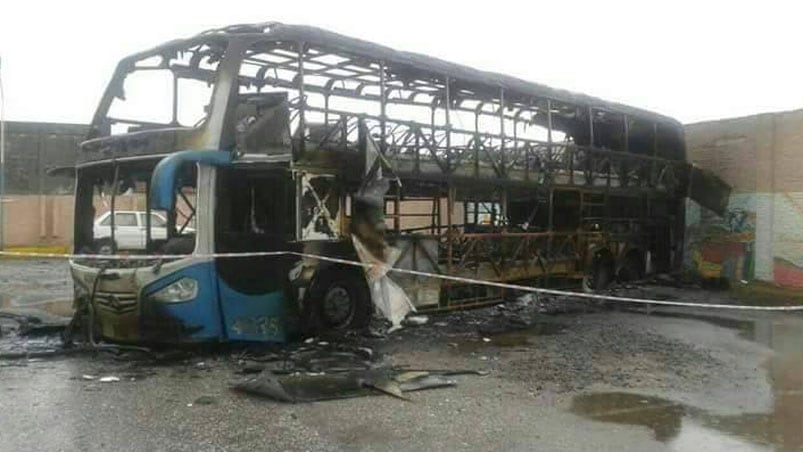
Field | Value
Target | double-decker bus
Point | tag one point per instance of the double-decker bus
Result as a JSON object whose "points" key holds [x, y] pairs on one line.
{"points": [[283, 138]]}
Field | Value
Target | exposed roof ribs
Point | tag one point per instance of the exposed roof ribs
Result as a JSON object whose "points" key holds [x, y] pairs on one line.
{"points": [[414, 64]]}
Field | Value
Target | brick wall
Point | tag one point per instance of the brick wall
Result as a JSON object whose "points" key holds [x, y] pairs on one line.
{"points": [[38, 207], [761, 157]]}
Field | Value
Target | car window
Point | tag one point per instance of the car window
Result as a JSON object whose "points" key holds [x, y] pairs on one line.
{"points": [[107, 221], [157, 221], [125, 219]]}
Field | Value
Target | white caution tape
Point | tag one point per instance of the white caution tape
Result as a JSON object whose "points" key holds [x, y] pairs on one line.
{"points": [[462, 280], [138, 257]]}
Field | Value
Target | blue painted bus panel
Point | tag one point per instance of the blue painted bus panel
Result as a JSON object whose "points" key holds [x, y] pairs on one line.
{"points": [[196, 320], [253, 317]]}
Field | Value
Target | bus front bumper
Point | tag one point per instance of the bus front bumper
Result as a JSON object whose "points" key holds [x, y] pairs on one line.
{"points": [[173, 303]]}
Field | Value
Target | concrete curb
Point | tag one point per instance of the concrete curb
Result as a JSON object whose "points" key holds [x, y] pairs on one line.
{"points": [[38, 249]]}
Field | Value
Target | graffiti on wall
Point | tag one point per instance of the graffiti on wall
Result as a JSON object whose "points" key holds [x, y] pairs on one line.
{"points": [[725, 247], [722, 247]]}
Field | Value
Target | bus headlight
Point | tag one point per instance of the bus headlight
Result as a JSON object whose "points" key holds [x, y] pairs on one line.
{"points": [[184, 289]]}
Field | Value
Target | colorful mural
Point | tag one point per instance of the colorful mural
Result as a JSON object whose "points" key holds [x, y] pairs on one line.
{"points": [[726, 247], [761, 235], [722, 247]]}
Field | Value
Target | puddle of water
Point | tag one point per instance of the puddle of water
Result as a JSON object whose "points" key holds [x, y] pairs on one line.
{"points": [[669, 421], [46, 344], [746, 329], [661, 416], [34, 286], [685, 428], [59, 307], [46, 314], [519, 338]]}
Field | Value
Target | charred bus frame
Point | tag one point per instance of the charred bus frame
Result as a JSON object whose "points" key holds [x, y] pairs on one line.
{"points": [[569, 186]]}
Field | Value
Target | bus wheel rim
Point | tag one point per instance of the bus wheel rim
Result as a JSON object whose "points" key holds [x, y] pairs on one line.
{"points": [[337, 306]]}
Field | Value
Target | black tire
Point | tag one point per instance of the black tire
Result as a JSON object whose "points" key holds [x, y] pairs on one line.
{"points": [[601, 274], [105, 246], [342, 300], [632, 269], [179, 245]]}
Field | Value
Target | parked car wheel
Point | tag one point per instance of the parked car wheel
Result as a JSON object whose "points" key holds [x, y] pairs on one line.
{"points": [[105, 246]]}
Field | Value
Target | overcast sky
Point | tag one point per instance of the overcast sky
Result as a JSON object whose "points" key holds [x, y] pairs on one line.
{"points": [[693, 60]]}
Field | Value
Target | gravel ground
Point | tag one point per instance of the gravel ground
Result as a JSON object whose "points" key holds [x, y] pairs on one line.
{"points": [[542, 357]]}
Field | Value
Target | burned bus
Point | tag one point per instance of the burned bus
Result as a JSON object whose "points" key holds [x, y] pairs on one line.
{"points": [[296, 141]]}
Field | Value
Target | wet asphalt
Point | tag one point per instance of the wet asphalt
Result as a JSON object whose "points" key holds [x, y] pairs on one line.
{"points": [[578, 378]]}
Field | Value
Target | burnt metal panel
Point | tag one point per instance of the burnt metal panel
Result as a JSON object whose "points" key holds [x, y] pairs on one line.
{"points": [[708, 190]]}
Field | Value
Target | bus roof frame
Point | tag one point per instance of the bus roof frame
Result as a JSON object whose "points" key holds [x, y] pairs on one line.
{"points": [[410, 61]]}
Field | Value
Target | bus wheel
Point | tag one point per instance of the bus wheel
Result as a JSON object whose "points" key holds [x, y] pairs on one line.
{"points": [[601, 274], [632, 269], [345, 302]]}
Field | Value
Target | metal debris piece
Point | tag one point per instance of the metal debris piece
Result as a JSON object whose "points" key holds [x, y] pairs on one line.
{"points": [[314, 358], [374, 333], [314, 372], [299, 388], [109, 379], [304, 388], [367, 351], [251, 368], [389, 387], [426, 382], [481, 373], [407, 376], [416, 320], [329, 361], [33, 323]]}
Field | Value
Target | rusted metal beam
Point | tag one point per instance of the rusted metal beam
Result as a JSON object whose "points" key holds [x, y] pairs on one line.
{"points": [[502, 156], [302, 121], [382, 108], [450, 233], [549, 130], [448, 125]]}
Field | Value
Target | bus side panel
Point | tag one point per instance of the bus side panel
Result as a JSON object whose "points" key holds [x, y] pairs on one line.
{"points": [[259, 317], [196, 320]]}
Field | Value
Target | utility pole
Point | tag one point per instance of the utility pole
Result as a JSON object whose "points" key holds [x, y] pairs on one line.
{"points": [[2, 161]]}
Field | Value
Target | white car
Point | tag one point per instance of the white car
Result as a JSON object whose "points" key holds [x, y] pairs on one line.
{"points": [[129, 230]]}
